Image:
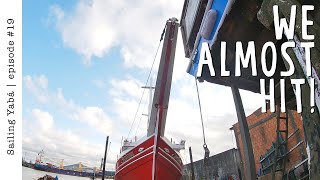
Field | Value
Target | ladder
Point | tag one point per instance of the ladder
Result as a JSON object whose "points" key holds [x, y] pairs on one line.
{"points": [[281, 148]]}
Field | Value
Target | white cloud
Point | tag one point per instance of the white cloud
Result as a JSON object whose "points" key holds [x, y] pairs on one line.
{"points": [[56, 12], [125, 95], [60, 143], [184, 122], [41, 132], [181, 62], [130, 88], [96, 118], [93, 116], [93, 27], [44, 119], [38, 85], [99, 83], [66, 105]]}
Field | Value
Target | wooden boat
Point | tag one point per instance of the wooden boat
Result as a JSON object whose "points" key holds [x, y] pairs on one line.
{"points": [[154, 157]]}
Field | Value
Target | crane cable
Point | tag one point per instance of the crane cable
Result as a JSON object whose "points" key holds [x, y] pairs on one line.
{"points": [[154, 59], [205, 147]]}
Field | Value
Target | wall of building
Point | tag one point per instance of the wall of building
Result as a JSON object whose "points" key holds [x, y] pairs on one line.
{"points": [[262, 127], [225, 165]]}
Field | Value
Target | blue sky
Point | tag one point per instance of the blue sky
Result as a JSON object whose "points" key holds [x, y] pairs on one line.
{"points": [[84, 62]]}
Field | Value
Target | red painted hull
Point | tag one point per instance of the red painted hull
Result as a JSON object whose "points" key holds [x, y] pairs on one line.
{"points": [[145, 162]]}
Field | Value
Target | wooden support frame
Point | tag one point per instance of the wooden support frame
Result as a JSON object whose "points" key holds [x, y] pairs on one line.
{"points": [[250, 169]]}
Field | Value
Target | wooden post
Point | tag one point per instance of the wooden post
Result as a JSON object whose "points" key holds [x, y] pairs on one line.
{"points": [[250, 170], [104, 159], [191, 164]]}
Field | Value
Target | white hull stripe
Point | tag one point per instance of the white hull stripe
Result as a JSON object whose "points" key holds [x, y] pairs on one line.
{"points": [[133, 162], [169, 156], [170, 162], [134, 156], [121, 155]]}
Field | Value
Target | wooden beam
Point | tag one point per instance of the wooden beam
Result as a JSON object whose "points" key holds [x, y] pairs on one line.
{"points": [[250, 169]]}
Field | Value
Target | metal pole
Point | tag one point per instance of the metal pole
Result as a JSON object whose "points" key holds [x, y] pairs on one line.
{"points": [[101, 165], [191, 164], [245, 136], [151, 88], [105, 157]]}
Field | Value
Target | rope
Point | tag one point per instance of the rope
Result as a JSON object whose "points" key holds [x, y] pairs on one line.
{"points": [[144, 106], [200, 109], [154, 59], [205, 147], [138, 126]]}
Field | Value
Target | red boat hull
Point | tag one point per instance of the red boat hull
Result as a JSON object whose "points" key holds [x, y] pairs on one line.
{"points": [[147, 162]]}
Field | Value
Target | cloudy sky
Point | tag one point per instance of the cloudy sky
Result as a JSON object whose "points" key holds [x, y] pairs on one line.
{"points": [[84, 62]]}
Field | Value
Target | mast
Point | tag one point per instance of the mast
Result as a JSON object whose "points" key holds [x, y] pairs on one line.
{"points": [[161, 95]]}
